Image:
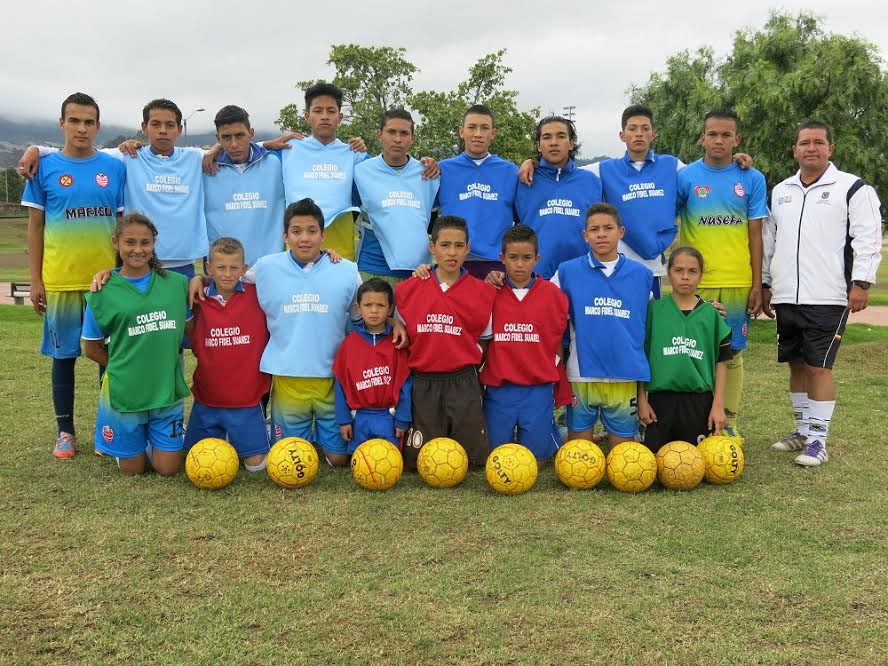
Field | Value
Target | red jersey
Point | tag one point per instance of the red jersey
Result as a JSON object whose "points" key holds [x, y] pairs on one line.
{"points": [[228, 341], [527, 334], [371, 376], [444, 326]]}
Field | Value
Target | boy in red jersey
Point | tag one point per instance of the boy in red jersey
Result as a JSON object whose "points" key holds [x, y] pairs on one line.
{"points": [[373, 384], [521, 365], [445, 319], [228, 335]]}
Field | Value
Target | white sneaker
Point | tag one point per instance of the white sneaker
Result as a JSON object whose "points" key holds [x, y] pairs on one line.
{"points": [[794, 442], [815, 454]]}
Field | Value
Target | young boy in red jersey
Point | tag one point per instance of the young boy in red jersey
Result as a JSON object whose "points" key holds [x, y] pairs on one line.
{"points": [[228, 335], [372, 379], [521, 365], [445, 319]]}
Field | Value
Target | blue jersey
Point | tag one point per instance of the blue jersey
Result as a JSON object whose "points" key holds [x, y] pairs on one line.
{"points": [[715, 205], [247, 202], [484, 195], [307, 310], [399, 204], [323, 172], [80, 198], [169, 191]]}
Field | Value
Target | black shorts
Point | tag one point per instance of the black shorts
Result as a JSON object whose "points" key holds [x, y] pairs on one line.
{"points": [[680, 416], [448, 404], [810, 332]]}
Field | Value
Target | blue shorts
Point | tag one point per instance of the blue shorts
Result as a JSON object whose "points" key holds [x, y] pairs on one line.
{"points": [[735, 300], [126, 434], [370, 424], [303, 407], [528, 408], [616, 404], [62, 324], [243, 427]]}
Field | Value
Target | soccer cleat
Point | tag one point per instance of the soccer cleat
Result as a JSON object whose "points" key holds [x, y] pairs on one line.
{"points": [[731, 431], [815, 454], [65, 447], [794, 442]]}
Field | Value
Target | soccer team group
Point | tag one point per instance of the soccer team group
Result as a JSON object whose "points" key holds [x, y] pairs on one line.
{"points": [[479, 298]]}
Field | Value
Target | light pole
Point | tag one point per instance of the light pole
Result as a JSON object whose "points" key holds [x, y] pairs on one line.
{"points": [[569, 112], [185, 122]]}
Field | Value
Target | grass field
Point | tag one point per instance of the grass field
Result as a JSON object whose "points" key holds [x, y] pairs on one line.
{"points": [[786, 566]]}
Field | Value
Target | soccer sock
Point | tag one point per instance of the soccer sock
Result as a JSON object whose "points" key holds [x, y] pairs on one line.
{"points": [[259, 467], [149, 452], [800, 409], [819, 416], [733, 388], [63, 393]]}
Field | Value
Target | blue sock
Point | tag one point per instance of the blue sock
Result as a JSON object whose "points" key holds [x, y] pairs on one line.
{"points": [[63, 393]]}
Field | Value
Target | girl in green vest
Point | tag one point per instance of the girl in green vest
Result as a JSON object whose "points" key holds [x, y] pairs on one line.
{"points": [[687, 343], [142, 313]]}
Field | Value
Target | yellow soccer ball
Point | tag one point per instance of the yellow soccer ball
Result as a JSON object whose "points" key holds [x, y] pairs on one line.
{"points": [[680, 466], [511, 469], [292, 462], [580, 464], [212, 463], [442, 463], [377, 464], [631, 467], [723, 458]]}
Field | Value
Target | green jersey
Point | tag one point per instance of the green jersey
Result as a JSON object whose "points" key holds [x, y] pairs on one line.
{"points": [[144, 331], [682, 349]]}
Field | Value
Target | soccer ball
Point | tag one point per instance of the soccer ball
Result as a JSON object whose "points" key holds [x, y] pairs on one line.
{"points": [[442, 463], [679, 466], [723, 458], [377, 464], [511, 469], [212, 463], [631, 467], [580, 464], [292, 462]]}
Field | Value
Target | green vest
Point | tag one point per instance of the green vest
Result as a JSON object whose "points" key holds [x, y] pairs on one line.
{"points": [[682, 349], [145, 332]]}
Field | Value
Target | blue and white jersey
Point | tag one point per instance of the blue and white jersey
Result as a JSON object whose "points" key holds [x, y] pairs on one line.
{"points": [[322, 172], [246, 201], [307, 308], [483, 193], [398, 203]]}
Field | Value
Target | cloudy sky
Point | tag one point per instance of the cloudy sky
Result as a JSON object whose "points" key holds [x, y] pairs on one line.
{"points": [[209, 53]]}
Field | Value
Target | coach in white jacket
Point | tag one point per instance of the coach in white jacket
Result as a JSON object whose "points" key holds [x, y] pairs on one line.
{"points": [[822, 246]]}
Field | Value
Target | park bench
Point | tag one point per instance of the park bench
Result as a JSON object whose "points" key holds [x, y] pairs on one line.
{"points": [[19, 291]]}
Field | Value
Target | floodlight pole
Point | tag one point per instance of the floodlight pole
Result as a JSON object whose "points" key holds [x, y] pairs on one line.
{"points": [[185, 122]]}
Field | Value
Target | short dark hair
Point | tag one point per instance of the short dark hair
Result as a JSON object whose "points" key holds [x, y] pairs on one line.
{"points": [[162, 103], [449, 222], [231, 114], [402, 114], [303, 207], [690, 251], [481, 110], [814, 124], [376, 286], [83, 100], [571, 132], [723, 113], [636, 110], [225, 245], [322, 89], [520, 233], [602, 208]]}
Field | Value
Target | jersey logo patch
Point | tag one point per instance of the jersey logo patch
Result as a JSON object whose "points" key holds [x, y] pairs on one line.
{"points": [[745, 330], [278, 431], [107, 433], [785, 200], [574, 401], [66, 180], [738, 189], [101, 180], [702, 191]]}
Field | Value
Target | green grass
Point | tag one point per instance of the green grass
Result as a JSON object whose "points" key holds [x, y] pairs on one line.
{"points": [[786, 566]]}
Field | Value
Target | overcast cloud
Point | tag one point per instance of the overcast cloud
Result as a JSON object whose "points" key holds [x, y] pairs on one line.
{"points": [[209, 53]]}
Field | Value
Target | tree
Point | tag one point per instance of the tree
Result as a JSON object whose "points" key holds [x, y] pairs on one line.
{"points": [[789, 71], [13, 185]]}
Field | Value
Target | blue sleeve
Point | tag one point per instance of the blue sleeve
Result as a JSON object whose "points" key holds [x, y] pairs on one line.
{"points": [[356, 195], [758, 199], [681, 197], [91, 330], [276, 153], [34, 192], [340, 406], [404, 408]]}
